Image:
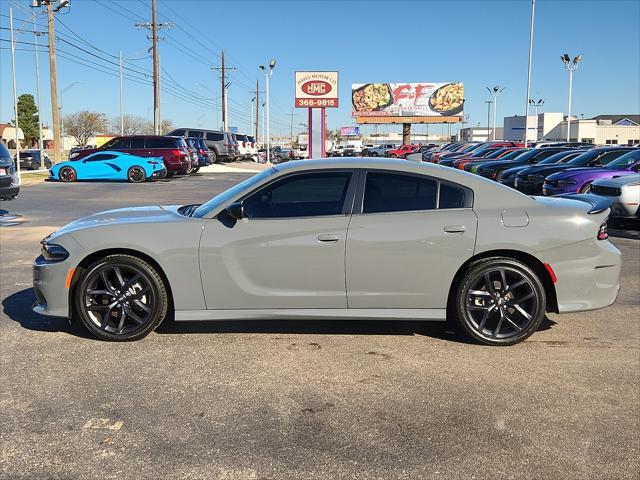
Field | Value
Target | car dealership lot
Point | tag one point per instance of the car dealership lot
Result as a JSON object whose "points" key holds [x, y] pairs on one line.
{"points": [[307, 399]]}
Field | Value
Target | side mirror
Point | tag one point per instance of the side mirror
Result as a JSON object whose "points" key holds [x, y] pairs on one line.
{"points": [[236, 211]]}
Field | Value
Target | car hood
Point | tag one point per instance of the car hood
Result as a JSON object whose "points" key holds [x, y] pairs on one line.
{"points": [[586, 172], [150, 214], [497, 164]]}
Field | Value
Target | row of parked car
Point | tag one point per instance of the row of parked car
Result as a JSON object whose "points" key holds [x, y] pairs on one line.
{"points": [[558, 168]]}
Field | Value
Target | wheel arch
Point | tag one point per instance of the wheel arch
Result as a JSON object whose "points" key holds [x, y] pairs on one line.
{"points": [[531, 261], [92, 257]]}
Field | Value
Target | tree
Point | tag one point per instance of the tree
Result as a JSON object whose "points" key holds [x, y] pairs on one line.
{"points": [[133, 125], [28, 118], [166, 126], [85, 124]]}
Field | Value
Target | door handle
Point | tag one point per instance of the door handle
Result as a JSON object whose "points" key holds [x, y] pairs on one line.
{"points": [[454, 229], [328, 237]]}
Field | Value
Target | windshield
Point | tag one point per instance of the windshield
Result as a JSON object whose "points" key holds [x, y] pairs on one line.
{"points": [[585, 158], [625, 160], [513, 154], [204, 209], [558, 158]]}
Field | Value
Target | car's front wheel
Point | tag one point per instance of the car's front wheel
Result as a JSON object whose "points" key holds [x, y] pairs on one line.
{"points": [[121, 298], [500, 301]]}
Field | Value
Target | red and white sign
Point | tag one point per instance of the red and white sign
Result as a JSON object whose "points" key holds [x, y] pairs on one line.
{"points": [[317, 89]]}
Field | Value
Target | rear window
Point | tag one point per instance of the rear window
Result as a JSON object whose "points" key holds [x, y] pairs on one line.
{"points": [[215, 137], [251, 139], [196, 133], [241, 138], [3, 151], [162, 142]]}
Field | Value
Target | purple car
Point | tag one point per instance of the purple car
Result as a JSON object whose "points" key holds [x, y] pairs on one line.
{"points": [[578, 180]]}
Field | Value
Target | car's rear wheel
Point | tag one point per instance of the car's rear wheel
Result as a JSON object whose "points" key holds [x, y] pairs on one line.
{"points": [[120, 298], [214, 157], [586, 188], [196, 169], [136, 174], [67, 174], [500, 301], [170, 174], [373, 154]]}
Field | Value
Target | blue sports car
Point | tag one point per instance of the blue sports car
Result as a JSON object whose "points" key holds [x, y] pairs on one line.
{"points": [[109, 165]]}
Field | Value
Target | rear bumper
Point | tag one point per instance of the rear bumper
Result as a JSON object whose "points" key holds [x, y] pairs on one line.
{"points": [[9, 191], [588, 274]]}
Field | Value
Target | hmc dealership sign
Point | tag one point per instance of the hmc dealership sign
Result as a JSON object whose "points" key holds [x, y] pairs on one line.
{"points": [[317, 89]]}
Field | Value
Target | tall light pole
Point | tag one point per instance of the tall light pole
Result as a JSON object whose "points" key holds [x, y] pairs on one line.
{"points": [[267, 74], [570, 66], [536, 105], [15, 96], [526, 114], [494, 92], [40, 142]]}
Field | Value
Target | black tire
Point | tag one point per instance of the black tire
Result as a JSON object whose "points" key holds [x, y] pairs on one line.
{"points": [[162, 175], [67, 174], [215, 157], [586, 188], [373, 154], [144, 300], [136, 174], [196, 169], [170, 174], [498, 317]]}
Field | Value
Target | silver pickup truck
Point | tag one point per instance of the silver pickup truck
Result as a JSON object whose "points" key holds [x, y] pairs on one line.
{"points": [[378, 150]]}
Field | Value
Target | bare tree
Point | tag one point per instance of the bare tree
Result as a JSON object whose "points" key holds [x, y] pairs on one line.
{"points": [[83, 125], [166, 126], [133, 125]]}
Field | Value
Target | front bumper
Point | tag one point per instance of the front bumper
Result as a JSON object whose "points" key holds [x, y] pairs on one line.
{"points": [[549, 189], [528, 187], [588, 274], [52, 295]]}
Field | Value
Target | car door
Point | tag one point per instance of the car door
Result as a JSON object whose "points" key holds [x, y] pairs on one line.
{"points": [[97, 166], [289, 250], [408, 236]]}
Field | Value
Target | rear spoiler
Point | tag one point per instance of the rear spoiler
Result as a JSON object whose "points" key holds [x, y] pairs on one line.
{"points": [[598, 204]]}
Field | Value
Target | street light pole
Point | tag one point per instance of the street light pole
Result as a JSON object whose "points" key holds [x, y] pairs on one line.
{"points": [[488, 102], [570, 66], [494, 92], [536, 105], [526, 114], [40, 142], [15, 96], [267, 74]]}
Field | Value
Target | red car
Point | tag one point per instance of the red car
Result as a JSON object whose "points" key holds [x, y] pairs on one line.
{"points": [[174, 150], [403, 151], [491, 154]]}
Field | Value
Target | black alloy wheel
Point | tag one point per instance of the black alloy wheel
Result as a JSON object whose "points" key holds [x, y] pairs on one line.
{"points": [[136, 174], [120, 298], [500, 301], [67, 174]]}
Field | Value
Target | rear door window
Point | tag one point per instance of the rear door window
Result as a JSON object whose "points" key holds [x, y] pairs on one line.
{"points": [[214, 137], [137, 142], [388, 192], [161, 142]]}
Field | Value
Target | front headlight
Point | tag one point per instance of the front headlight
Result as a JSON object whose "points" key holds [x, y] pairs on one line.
{"points": [[53, 253]]}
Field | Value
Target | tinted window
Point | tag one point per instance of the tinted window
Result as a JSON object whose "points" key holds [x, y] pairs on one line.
{"points": [[303, 195], [387, 192], [241, 138], [162, 142], [545, 154], [452, 196], [137, 142], [194, 133], [178, 133], [100, 157], [117, 143], [625, 160], [214, 137], [609, 157], [251, 139]]}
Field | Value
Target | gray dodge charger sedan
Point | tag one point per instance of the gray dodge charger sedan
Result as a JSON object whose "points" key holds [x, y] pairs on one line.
{"points": [[336, 239]]}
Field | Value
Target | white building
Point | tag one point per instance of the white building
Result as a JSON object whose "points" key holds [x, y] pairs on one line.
{"points": [[600, 130], [479, 134], [537, 129]]}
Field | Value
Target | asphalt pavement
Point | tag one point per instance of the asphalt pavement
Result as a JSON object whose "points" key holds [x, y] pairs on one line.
{"points": [[307, 399]]}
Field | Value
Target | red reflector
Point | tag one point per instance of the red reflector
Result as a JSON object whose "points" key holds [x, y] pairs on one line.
{"points": [[551, 272]]}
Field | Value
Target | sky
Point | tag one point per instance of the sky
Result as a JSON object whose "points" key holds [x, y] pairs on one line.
{"points": [[479, 43]]}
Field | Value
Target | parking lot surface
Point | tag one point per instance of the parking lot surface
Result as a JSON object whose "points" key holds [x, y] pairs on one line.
{"points": [[307, 399]]}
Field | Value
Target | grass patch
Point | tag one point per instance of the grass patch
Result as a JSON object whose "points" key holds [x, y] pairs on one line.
{"points": [[33, 178]]}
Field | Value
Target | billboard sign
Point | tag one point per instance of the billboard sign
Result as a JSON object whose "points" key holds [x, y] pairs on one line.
{"points": [[349, 131], [316, 89], [407, 99]]}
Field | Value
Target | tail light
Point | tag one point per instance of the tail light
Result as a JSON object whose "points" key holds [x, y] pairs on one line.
{"points": [[602, 232]]}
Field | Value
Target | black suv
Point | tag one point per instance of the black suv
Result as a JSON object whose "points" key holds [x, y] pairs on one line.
{"points": [[9, 187]]}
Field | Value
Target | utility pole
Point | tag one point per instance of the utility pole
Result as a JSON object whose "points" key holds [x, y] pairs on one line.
{"points": [[15, 96], [526, 112], [55, 111], [156, 89], [121, 97], [154, 27], [257, 109], [40, 142], [222, 69], [292, 114]]}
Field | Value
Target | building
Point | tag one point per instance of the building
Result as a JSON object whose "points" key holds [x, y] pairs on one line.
{"points": [[600, 130], [536, 128], [479, 134]]}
